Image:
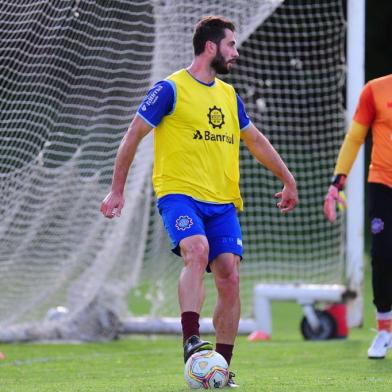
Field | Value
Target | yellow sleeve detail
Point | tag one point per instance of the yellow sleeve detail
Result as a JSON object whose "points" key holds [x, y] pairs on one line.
{"points": [[353, 140]]}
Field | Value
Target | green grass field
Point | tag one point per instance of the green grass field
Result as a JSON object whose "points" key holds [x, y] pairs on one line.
{"points": [[137, 363]]}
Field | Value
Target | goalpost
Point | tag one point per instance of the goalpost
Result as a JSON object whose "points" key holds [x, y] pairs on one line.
{"points": [[73, 76], [355, 183]]}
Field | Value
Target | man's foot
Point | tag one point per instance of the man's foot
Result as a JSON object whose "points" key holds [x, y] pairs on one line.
{"points": [[380, 345], [193, 345], [231, 383]]}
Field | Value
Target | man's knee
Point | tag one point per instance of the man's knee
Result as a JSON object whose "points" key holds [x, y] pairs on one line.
{"points": [[194, 251], [229, 284], [382, 260], [382, 253], [226, 270]]}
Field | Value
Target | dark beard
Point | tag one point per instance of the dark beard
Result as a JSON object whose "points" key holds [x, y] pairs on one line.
{"points": [[219, 64]]}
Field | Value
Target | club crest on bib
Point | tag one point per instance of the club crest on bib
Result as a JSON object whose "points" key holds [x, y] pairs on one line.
{"points": [[215, 117], [183, 222]]}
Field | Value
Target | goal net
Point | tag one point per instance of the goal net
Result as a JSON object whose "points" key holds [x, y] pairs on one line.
{"points": [[73, 74]]}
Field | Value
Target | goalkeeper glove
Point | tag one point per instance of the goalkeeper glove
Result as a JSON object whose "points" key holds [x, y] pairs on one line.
{"points": [[335, 196]]}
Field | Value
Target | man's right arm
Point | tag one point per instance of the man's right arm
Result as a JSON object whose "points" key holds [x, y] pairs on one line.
{"points": [[353, 140], [355, 137], [114, 201], [158, 102]]}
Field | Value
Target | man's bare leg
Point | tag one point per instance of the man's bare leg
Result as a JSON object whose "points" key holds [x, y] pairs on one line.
{"points": [[191, 292]]}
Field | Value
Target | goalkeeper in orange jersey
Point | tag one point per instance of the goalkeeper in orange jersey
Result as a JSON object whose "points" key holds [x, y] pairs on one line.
{"points": [[198, 123], [374, 111]]}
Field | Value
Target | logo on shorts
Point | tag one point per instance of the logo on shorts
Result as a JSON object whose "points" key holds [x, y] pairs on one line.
{"points": [[183, 222], [377, 225]]}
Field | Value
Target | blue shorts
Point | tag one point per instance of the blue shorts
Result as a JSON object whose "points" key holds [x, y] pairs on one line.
{"points": [[184, 216]]}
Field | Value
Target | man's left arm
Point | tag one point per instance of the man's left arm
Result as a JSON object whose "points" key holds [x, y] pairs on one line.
{"points": [[260, 147]]}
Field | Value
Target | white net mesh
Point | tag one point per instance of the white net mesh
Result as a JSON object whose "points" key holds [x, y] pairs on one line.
{"points": [[73, 74]]}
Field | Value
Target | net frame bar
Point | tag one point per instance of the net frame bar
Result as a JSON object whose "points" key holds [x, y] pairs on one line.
{"points": [[355, 58]]}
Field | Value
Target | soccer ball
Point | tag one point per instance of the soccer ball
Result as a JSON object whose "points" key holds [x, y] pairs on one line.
{"points": [[206, 369]]}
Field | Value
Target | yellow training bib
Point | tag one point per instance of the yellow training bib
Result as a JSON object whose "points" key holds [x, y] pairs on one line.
{"points": [[196, 146]]}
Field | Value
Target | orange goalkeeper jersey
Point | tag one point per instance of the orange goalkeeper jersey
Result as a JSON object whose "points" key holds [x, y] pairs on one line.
{"points": [[375, 110]]}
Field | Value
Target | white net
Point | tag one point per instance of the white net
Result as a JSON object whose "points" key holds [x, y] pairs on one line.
{"points": [[73, 74]]}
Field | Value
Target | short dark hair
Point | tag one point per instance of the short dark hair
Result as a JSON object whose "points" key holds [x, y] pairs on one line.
{"points": [[210, 28]]}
